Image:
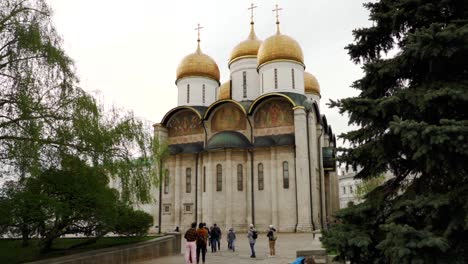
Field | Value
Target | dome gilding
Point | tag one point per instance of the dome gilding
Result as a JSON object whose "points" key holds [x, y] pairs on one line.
{"points": [[198, 64], [224, 91], [280, 47], [311, 85], [247, 48]]}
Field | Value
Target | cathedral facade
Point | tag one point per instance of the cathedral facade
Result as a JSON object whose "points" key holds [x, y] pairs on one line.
{"points": [[253, 150]]}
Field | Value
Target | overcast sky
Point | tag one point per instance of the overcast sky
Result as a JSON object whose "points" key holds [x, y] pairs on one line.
{"points": [[129, 50]]}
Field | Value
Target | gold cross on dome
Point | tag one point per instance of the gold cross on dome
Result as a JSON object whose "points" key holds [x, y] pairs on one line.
{"points": [[277, 9], [251, 8], [198, 28]]}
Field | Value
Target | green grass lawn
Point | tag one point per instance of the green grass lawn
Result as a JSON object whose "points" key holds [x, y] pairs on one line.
{"points": [[11, 250]]}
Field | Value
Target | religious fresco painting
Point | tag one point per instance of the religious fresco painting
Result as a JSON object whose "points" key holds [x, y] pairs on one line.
{"points": [[228, 117], [184, 123], [274, 113]]}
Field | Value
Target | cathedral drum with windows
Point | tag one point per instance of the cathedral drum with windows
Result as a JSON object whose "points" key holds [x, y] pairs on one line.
{"points": [[251, 150]]}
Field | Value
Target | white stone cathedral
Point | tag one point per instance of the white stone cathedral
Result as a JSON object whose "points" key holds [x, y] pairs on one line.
{"points": [[253, 150]]}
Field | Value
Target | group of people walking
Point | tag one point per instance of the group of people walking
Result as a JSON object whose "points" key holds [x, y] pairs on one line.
{"points": [[199, 239]]}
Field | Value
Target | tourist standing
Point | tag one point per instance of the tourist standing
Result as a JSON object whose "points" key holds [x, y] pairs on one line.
{"points": [[252, 236], [231, 238], [212, 239], [202, 239], [271, 239], [217, 230], [190, 245]]}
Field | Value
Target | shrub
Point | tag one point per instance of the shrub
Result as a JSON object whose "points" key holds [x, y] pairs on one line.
{"points": [[131, 222]]}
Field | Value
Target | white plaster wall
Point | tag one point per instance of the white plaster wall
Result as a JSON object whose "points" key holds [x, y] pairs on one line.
{"points": [[263, 197], [168, 219], [314, 98], [249, 65], [239, 198], [187, 161], [286, 197], [196, 91], [218, 197], [267, 77]]}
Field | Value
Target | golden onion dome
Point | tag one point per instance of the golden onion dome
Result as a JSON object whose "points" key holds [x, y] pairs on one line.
{"points": [[247, 48], [311, 85], [198, 64], [224, 91], [280, 47]]}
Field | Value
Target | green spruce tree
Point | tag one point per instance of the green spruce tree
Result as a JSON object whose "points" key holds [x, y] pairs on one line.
{"points": [[412, 118]]}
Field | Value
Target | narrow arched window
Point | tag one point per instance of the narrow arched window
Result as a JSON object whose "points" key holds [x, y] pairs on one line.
{"points": [[188, 180], [276, 78], [166, 182], [240, 178], [285, 175], [188, 93], [219, 178], [244, 83], [203, 93], [260, 177], [293, 81], [204, 179]]}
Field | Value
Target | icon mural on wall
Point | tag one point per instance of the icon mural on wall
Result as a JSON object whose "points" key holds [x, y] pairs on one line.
{"points": [[228, 117], [274, 113], [184, 123]]}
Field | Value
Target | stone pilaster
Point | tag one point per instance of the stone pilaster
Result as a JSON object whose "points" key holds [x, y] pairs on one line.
{"points": [[322, 180], [200, 188], [248, 189], [177, 188], [274, 179], [210, 188], [302, 170], [229, 177], [314, 132]]}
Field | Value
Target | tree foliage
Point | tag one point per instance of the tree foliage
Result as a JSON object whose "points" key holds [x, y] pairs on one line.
{"points": [[412, 119], [75, 199], [45, 115], [366, 186]]}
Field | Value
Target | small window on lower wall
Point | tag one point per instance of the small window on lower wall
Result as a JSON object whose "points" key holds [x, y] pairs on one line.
{"points": [[188, 208], [167, 209]]}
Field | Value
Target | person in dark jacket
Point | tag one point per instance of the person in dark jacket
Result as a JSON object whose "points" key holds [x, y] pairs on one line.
{"points": [[212, 239], [218, 235], [231, 238]]}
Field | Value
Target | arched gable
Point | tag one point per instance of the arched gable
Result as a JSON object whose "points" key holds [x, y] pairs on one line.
{"points": [[226, 115], [273, 115], [184, 125], [219, 103], [198, 110], [255, 104]]}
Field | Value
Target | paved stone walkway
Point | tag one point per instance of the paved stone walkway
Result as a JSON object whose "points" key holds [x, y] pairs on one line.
{"points": [[286, 247]]}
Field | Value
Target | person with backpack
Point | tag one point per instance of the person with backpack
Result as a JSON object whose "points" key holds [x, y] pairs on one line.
{"points": [[252, 235], [218, 235], [231, 238], [191, 245], [202, 239], [213, 239], [271, 240]]}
